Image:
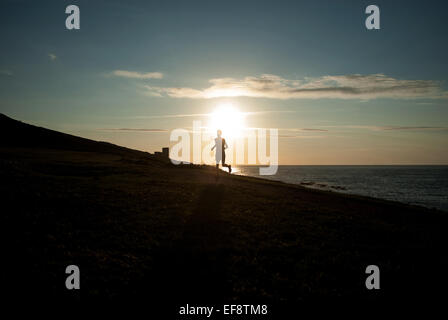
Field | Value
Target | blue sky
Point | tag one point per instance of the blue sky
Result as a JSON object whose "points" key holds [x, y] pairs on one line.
{"points": [[68, 80]]}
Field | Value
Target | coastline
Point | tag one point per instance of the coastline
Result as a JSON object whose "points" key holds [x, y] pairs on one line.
{"points": [[395, 183]]}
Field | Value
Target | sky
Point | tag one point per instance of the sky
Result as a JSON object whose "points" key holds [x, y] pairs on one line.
{"points": [[135, 70]]}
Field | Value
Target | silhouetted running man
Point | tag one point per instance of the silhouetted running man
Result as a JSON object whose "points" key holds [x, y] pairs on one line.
{"points": [[221, 146]]}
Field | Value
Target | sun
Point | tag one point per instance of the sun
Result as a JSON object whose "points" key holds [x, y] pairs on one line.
{"points": [[228, 119]]}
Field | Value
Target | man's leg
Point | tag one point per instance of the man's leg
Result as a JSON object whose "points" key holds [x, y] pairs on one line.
{"points": [[224, 162]]}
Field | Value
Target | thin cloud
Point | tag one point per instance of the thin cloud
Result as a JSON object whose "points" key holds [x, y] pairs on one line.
{"points": [[292, 133], [188, 115], [415, 128], [167, 116], [309, 129], [137, 75], [134, 130], [317, 130], [288, 136], [354, 86], [392, 128], [303, 130], [52, 56]]}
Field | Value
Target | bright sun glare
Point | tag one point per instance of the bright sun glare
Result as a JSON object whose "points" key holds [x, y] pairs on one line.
{"points": [[228, 119]]}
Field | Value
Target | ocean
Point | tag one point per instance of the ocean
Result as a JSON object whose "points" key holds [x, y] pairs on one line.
{"points": [[421, 185]]}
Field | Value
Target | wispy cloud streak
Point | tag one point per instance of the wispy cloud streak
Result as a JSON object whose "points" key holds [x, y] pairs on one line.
{"points": [[392, 128], [192, 115], [137, 75], [134, 129], [354, 86]]}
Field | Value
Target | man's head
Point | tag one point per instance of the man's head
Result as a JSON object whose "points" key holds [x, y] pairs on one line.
{"points": [[219, 133]]}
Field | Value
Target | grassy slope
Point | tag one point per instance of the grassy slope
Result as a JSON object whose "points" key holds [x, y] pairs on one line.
{"points": [[138, 227]]}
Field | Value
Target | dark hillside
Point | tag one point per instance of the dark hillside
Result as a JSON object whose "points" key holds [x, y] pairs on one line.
{"points": [[18, 134], [144, 230]]}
